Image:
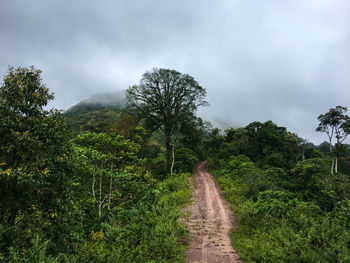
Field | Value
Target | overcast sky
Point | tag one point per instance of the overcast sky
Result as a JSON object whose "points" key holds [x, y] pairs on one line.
{"points": [[285, 61]]}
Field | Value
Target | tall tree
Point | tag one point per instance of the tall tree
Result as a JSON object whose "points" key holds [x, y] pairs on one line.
{"points": [[166, 99], [336, 124], [26, 126], [34, 181]]}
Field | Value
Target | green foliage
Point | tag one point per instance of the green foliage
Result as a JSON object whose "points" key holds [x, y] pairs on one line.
{"points": [[196, 135], [28, 132], [104, 196], [108, 163], [175, 190], [34, 164], [145, 232], [36, 253], [266, 144], [158, 166], [159, 230], [96, 114], [185, 160], [126, 125], [288, 205], [301, 215], [91, 119], [166, 99], [336, 124], [91, 199]]}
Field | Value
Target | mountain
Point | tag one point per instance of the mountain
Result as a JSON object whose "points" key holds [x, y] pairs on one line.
{"points": [[99, 101], [97, 113]]}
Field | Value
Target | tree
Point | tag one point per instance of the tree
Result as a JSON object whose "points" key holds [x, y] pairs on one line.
{"points": [[31, 138], [34, 175], [105, 157], [165, 99], [125, 125], [174, 142], [269, 144], [336, 124], [26, 127]]}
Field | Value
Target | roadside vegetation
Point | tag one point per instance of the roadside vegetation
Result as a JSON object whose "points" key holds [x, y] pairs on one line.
{"points": [[93, 187], [109, 183], [289, 207]]}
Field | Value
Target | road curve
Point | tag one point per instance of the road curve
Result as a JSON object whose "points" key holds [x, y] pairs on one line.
{"points": [[210, 222]]}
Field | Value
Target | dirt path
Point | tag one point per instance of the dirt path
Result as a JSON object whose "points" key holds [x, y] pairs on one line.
{"points": [[210, 222]]}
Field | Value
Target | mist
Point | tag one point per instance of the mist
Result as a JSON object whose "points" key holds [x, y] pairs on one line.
{"points": [[285, 61]]}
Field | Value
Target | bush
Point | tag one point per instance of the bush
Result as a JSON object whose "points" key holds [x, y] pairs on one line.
{"points": [[148, 232], [185, 160], [281, 216]]}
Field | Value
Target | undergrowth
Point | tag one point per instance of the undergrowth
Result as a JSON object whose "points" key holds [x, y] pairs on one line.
{"points": [[278, 223], [149, 232]]}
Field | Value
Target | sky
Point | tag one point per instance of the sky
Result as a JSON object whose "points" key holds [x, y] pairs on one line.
{"points": [[286, 61]]}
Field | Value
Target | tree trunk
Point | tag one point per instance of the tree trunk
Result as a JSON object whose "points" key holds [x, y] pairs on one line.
{"points": [[99, 209], [109, 198], [110, 192], [100, 199], [168, 149], [173, 160], [93, 186], [333, 156], [336, 164]]}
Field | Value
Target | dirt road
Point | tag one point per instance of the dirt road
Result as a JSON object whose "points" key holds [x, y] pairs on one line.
{"points": [[210, 222]]}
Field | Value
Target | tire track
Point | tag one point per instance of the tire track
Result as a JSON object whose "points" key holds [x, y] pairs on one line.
{"points": [[210, 222]]}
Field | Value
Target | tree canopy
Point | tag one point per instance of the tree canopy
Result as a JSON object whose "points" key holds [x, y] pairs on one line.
{"points": [[104, 196], [336, 124], [94, 198], [166, 99], [26, 127]]}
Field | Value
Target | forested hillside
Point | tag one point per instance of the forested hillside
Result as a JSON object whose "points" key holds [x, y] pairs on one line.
{"points": [[102, 195], [96, 113], [109, 183]]}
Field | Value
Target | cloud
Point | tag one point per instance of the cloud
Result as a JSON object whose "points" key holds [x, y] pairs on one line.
{"points": [[281, 60]]}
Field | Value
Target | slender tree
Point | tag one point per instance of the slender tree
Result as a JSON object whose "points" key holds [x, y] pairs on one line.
{"points": [[165, 99], [174, 142], [336, 124], [105, 157]]}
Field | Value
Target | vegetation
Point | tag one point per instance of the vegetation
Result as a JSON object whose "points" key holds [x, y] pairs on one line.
{"points": [[98, 197], [92, 185], [92, 119], [336, 124], [288, 206], [96, 114], [167, 100]]}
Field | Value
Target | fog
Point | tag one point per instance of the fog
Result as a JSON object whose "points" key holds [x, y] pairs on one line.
{"points": [[285, 61]]}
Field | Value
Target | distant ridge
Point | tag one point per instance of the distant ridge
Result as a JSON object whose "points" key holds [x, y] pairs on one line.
{"points": [[99, 101]]}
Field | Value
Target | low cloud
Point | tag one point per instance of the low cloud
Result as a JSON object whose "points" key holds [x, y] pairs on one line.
{"points": [[285, 61]]}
